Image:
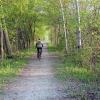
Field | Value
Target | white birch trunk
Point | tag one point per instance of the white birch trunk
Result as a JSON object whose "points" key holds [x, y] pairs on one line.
{"points": [[78, 29], [64, 25]]}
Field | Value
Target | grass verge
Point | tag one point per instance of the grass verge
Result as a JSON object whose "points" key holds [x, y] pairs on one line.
{"points": [[10, 68], [89, 80], [69, 70]]}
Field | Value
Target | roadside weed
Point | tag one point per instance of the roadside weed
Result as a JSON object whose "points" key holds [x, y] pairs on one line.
{"points": [[65, 90]]}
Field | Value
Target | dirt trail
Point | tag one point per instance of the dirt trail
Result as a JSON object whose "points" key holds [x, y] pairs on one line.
{"points": [[36, 82]]}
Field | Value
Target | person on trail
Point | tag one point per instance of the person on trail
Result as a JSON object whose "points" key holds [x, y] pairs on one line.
{"points": [[39, 45]]}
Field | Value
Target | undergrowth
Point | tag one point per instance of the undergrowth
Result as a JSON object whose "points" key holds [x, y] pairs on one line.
{"points": [[52, 48], [71, 68], [89, 88], [10, 68], [67, 70]]}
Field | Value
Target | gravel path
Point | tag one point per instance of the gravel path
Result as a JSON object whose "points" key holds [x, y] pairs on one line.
{"points": [[36, 82]]}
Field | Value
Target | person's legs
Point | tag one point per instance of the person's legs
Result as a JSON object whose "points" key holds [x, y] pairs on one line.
{"points": [[41, 50], [37, 52]]}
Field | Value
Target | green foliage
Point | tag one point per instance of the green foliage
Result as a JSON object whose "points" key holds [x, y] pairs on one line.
{"points": [[51, 48], [70, 70], [73, 95], [81, 74], [83, 65], [61, 45], [26, 53], [24, 22]]}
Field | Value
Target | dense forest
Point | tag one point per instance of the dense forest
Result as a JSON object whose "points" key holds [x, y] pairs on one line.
{"points": [[72, 26]]}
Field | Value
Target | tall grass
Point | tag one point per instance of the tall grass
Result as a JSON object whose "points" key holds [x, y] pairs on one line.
{"points": [[10, 68], [67, 69], [80, 74]]}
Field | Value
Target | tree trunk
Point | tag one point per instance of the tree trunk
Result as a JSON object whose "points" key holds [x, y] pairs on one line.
{"points": [[58, 31], [55, 32], [64, 26], [31, 34], [7, 42], [21, 39], [78, 29], [34, 31], [1, 41]]}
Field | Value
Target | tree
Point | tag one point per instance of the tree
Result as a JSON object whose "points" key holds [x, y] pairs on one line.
{"points": [[5, 33], [63, 16], [6, 38], [78, 21]]}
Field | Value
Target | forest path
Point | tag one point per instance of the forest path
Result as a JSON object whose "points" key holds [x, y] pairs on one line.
{"points": [[36, 81]]}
